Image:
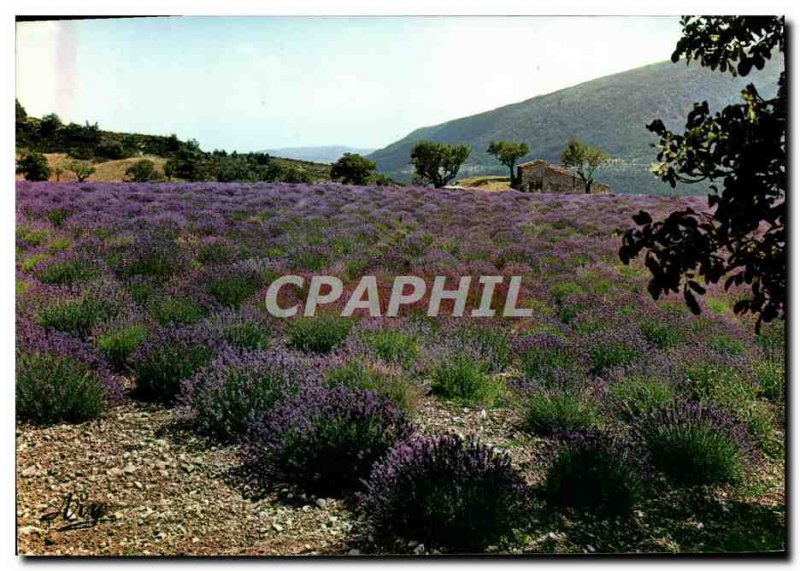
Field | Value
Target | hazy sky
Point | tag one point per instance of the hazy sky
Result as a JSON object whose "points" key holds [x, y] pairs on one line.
{"points": [[257, 83]]}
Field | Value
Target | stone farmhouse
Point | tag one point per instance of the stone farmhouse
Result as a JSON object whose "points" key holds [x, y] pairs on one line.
{"points": [[540, 176]]}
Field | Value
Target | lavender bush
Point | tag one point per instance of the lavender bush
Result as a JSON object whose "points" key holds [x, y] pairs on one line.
{"points": [[444, 492], [239, 388], [325, 440], [60, 379], [697, 445]]}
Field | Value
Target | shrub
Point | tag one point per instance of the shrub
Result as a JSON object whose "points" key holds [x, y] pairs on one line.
{"points": [[355, 375], [558, 412], [464, 378], [769, 375], [491, 343], [56, 388], [215, 251], [720, 383], [169, 357], [727, 344], [319, 334], [636, 396], [394, 345], [68, 272], [237, 389], [117, 344], [153, 255], [232, 290], [247, 330], [760, 421], [613, 350], [59, 378], [696, 445], [33, 166], [546, 358], [176, 311], [444, 492], [77, 316], [595, 472], [661, 333], [143, 170], [325, 440]]}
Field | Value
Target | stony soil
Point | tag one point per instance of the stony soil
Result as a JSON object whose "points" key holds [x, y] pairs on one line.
{"points": [[141, 484], [164, 491]]}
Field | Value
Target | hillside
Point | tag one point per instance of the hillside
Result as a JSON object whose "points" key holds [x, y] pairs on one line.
{"points": [[324, 154], [112, 153], [610, 112]]}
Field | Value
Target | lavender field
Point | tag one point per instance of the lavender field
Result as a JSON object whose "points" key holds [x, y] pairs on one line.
{"points": [[158, 398]]}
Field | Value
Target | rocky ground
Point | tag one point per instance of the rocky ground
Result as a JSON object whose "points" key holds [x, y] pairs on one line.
{"points": [[137, 483]]}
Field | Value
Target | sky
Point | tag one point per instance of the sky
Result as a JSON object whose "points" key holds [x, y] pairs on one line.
{"points": [[257, 83]]}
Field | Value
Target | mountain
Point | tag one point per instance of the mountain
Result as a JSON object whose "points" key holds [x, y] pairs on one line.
{"points": [[610, 112], [326, 154]]}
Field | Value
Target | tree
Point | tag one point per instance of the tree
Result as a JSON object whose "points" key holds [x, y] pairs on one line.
{"points": [[584, 160], [33, 166], [19, 111], [142, 171], [82, 171], [352, 168], [48, 125], [741, 152], [438, 163], [508, 153]]}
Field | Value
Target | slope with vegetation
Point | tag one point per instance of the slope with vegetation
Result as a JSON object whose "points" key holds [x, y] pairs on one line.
{"points": [[112, 154], [611, 113]]}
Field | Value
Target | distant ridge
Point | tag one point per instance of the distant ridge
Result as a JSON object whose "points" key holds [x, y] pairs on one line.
{"points": [[325, 154], [610, 112]]}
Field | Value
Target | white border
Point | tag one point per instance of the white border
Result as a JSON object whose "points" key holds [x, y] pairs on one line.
{"points": [[10, 8]]}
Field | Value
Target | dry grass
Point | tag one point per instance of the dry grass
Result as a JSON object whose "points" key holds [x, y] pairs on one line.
{"points": [[489, 183], [107, 171]]}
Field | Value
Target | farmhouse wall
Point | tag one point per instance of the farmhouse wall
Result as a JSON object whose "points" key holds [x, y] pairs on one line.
{"points": [[541, 176]]}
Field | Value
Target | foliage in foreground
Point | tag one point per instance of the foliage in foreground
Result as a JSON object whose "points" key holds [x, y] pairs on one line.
{"points": [[596, 472], [325, 440], [697, 445], [445, 492]]}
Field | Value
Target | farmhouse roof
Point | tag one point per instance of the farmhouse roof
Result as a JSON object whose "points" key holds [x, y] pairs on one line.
{"points": [[557, 168]]}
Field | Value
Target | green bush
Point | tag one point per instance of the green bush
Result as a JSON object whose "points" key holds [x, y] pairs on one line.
{"points": [[636, 396], [77, 316], [356, 375], [319, 334], [164, 360], [33, 166], [554, 413], [612, 353], [67, 272], [464, 379], [232, 291], [593, 472], [252, 336], [394, 345], [769, 375], [662, 334], [54, 388], [695, 445], [718, 383], [143, 170], [117, 345], [176, 311]]}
